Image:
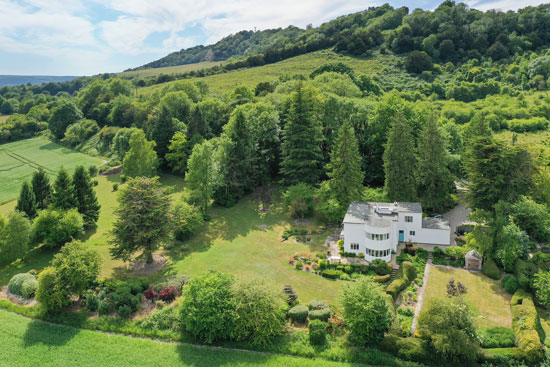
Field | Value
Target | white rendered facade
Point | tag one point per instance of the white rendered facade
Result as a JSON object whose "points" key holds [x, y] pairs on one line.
{"points": [[375, 229]]}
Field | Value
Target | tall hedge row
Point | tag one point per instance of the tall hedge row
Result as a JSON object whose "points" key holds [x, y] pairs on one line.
{"points": [[404, 277], [527, 326]]}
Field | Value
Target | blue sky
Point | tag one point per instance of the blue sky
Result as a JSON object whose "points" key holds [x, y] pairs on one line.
{"points": [[77, 37]]}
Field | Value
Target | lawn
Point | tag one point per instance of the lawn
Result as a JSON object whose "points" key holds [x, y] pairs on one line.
{"points": [[27, 342], [18, 160], [489, 302], [145, 73], [3, 118]]}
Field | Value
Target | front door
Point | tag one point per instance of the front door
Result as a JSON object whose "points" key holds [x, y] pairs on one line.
{"points": [[401, 236]]}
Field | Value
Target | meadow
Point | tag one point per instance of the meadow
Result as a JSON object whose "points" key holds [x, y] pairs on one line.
{"points": [[18, 160], [27, 342], [488, 301], [147, 73], [3, 118]]}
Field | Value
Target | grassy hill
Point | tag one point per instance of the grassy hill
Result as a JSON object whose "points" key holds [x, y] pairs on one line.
{"points": [[150, 72]]}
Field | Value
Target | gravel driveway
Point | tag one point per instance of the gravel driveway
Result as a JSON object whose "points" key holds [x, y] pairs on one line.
{"points": [[457, 216]]}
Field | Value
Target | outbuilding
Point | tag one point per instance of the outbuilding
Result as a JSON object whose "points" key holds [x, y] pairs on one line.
{"points": [[473, 260]]}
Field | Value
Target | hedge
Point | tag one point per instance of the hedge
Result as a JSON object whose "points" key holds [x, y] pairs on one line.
{"points": [[316, 305], [490, 269], [322, 315], [23, 284], [509, 283], [331, 274], [317, 332], [298, 314], [404, 277], [414, 349], [382, 278], [527, 327], [497, 337]]}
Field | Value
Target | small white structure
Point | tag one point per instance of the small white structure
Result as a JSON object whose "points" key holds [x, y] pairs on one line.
{"points": [[473, 260], [375, 229]]}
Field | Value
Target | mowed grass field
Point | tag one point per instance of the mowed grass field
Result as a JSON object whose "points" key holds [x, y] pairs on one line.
{"points": [[18, 160], [145, 73], [488, 301], [25, 342], [3, 118]]}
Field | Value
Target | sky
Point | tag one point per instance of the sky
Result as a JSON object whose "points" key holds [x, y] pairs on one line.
{"points": [[77, 37]]}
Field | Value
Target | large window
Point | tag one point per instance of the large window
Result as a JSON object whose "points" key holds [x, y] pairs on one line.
{"points": [[378, 236], [377, 253], [355, 246], [408, 218]]}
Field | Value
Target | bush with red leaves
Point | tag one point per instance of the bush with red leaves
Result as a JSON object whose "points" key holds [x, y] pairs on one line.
{"points": [[168, 294], [151, 294]]}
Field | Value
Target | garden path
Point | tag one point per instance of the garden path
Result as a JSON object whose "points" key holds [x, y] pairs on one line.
{"points": [[420, 294]]}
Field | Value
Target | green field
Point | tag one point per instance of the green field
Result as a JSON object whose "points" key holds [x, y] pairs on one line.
{"points": [[26, 342], [3, 118], [145, 73], [489, 302], [20, 159]]}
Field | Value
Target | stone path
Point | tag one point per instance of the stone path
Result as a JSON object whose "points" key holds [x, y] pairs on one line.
{"points": [[420, 294]]}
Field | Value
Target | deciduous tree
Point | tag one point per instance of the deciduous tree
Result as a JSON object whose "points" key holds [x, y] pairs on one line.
{"points": [[141, 159]]}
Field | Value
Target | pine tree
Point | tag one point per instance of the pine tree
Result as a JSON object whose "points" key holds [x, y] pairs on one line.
{"points": [[62, 196], [400, 162], [141, 159], [302, 138], [85, 197], [26, 203], [344, 169], [435, 181], [41, 188]]}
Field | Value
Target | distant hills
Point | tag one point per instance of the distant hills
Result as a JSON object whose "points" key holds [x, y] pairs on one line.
{"points": [[10, 80]]}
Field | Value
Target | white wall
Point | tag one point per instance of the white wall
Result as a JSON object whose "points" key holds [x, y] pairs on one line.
{"points": [[433, 236]]}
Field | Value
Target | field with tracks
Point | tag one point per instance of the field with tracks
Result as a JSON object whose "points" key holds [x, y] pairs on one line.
{"points": [[19, 159]]}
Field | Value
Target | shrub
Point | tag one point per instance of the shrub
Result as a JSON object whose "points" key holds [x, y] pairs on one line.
{"points": [[49, 293], [55, 228], [380, 267], [526, 326], [299, 265], [317, 332], [413, 349], [509, 283], [115, 187], [497, 337], [23, 284], [404, 277], [298, 200], [490, 268], [187, 219], [92, 170], [330, 274], [163, 319], [316, 305], [405, 311], [92, 303], [322, 315], [382, 278], [344, 276], [104, 308], [150, 294], [168, 294], [298, 314], [124, 311]]}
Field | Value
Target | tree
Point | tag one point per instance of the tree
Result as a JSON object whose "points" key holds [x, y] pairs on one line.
{"points": [[121, 141], [541, 284], [63, 114], [51, 295], [298, 200], [14, 238], [302, 136], [400, 163], [418, 61], [259, 313], [178, 153], [366, 311], [533, 218], [513, 244], [76, 267], [26, 203], [200, 175], [344, 169], [141, 159], [41, 188], [142, 219], [449, 327], [187, 219], [435, 182], [55, 228], [63, 195], [85, 196], [208, 311]]}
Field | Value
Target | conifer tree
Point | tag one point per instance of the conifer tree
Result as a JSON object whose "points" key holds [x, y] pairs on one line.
{"points": [[26, 203], [85, 197], [41, 188], [302, 136], [400, 162], [344, 169], [62, 196], [435, 181], [141, 159]]}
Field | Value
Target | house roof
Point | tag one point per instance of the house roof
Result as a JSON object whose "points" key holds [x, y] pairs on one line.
{"points": [[367, 213], [435, 223]]}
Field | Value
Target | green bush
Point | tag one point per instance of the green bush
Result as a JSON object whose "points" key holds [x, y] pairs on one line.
{"points": [[299, 265], [164, 319], [490, 268], [23, 284], [298, 314], [404, 277], [395, 287], [92, 303], [382, 278], [405, 311], [330, 274], [409, 271], [316, 305], [497, 337], [344, 276], [413, 349], [124, 312], [317, 332], [322, 315], [509, 283], [527, 327], [104, 308]]}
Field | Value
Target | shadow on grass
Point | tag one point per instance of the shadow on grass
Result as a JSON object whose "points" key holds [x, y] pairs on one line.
{"points": [[38, 258], [212, 357], [39, 332]]}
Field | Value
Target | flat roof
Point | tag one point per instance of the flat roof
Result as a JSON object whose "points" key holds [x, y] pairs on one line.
{"points": [[365, 212], [435, 223]]}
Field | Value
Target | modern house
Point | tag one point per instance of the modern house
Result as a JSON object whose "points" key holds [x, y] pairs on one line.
{"points": [[375, 229]]}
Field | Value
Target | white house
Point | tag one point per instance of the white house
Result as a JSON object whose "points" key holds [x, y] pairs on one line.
{"points": [[375, 229]]}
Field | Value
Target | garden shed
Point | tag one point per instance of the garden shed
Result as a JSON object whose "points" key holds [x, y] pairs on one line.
{"points": [[473, 260]]}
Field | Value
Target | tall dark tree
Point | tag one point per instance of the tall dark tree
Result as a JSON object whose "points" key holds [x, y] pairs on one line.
{"points": [[400, 162], [63, 114], [26, 203], [41, 188], [302, 136], [63, 196], [344, 169], [435, 181], [164, 128], [85, 196]]}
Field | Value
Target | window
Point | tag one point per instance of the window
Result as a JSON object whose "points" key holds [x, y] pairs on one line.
{"points": [[408, 218], [378, 237], [412, 233], [355, 246]]}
